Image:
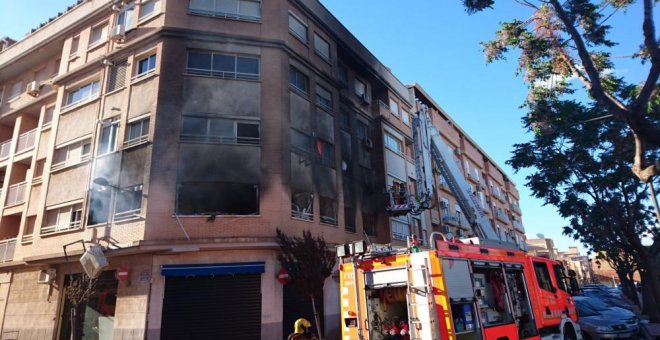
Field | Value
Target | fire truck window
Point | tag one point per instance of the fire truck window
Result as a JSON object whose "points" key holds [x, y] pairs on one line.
{"points": [[543, 276], [559, 276], [492, 296], [522, 311]]}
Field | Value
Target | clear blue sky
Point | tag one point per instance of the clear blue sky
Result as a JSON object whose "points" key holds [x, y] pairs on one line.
{"points": [[435, 44]]}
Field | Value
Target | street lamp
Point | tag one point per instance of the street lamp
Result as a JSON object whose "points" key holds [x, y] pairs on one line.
{"points": [[102, 182]]}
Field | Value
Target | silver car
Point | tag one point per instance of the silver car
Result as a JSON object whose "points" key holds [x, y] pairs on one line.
{"points": [[596, 326], [607, 310]]}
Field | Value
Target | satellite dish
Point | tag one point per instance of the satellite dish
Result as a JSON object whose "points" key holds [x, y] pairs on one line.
{"points": [[541, 236]]}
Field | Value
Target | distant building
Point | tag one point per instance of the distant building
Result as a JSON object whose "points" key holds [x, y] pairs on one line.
{"points": [[543, 247], [581, 264]]}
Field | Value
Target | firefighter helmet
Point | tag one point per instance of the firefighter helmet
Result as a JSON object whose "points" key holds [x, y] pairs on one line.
{"points": [[301, 325]]}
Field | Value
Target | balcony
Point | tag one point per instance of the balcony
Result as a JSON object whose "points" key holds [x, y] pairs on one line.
{"points": [[7, 249], [515, 207], [74, 225], [383, 110], [500, 215], [518, 225], [451, 219], [26, 141], [128, 215], [16, 194], [5, 148]]}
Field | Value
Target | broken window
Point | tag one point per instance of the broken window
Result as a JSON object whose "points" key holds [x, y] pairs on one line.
{"points": [[128, 203], [221, 198], [369, 223], [300, 142], [218, 130], [98, 207], [302, 197], [328, 207], [349, 219], [325, 152]]}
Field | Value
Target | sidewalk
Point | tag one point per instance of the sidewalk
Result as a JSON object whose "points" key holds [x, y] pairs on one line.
{"points": [[650, 331]]}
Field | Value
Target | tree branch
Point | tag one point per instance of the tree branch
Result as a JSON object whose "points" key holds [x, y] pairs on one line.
{"points": [[595, 86], [639, 105]]}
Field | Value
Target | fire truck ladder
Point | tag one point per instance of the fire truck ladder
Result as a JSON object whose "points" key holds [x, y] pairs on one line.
{"points": [[420, 313]]}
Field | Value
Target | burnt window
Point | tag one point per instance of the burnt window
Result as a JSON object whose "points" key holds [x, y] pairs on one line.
{"points": [[220, 198], [300, 142], [369, 223], [328, 207], [129, 202], [325, 152], [349, 219], [219, 130]]}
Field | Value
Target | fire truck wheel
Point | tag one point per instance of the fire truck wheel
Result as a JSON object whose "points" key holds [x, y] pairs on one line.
{"points": [[569, 333]]}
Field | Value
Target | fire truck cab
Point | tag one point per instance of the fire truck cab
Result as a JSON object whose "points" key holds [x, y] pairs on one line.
{"points": [[455, 291]]}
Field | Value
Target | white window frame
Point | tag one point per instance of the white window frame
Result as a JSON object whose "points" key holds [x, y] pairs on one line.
{"points": [[92, 95], [71, 211], [394, 107], [360, 84], [405, 117], [398, 226], [293, 31], [101, 39], [225, 74], [111, 143], [136, 140], [126, 19], [15, 91], [388, 139], [150, 68], [236, 15], [155, 10], [69, 149]]}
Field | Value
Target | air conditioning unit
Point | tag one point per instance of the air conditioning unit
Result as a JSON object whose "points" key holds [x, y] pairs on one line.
{"points": [[93, 261], [33, 88], [364, 99], [47, 276], [368, 143], [118, 33]]}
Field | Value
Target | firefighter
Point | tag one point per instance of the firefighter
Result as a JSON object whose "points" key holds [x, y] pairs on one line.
{"points": [[302, 330]]}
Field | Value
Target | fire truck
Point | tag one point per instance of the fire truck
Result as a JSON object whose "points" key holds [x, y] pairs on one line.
{"points": [[483, 287]]}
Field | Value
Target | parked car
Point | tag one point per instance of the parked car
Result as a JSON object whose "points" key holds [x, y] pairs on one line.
{"points": [[609, 299], [597, 326], [613, 312]]}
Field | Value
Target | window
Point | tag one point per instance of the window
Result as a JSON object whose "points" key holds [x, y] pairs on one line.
{"points": [[148, 7], [326, 152], [83, 93], [444, 206], [342, 74], [300, 142], [321, 47], [71, 154], [48, 115], [492, 293], [117, 75], [400, 230], [75, 42], [231, 9], [125, 16], [323, 98], [467, 167], [328, 207], [128, 202], [222, 198], [298, 80], [98, 35], [297, 28], [218, 130], [137, 132], [62, 219], [405, 117], [559, 276], [543, 276], [108, 142], [146, 65], [349, 219], [360, 88], [369, 223], [15, 90], [223, 65], [394, 107], [393, 143]]}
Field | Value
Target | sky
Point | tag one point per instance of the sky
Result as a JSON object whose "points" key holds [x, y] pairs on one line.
{"points": [[435, 44]]}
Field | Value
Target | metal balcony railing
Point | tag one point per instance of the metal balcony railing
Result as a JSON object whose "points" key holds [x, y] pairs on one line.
{"points": [[7, 248], [16, 193], [61, 227], [5, 148], [451, 219], [500, 215], [518, 225], [26, 141], [127, 215], [515, 207]]}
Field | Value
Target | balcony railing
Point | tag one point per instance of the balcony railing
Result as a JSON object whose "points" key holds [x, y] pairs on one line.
{"points": [[26, 141], [501, 216], [127, 215], [5, 148], [7, 248], [451, 219], [515, 207], [27, 238], [60, 227], [16, 193], [518, 225]]}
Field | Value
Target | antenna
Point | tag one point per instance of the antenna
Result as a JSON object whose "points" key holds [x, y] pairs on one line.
{"points": [[541, 236]]}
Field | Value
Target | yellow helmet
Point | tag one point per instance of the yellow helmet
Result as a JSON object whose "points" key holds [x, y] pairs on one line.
{"points": [[301, 325]]}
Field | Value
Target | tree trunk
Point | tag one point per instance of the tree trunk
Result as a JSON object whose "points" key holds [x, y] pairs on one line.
{"points": [[317, 319], [626, 285], [654, 284], [633, 289], [649, 297]]}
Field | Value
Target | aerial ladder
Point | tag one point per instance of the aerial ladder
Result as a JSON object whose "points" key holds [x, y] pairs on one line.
{"points": [[429, 147]]}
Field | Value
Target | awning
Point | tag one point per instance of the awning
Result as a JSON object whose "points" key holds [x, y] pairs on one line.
{"points": [[212, 269]]}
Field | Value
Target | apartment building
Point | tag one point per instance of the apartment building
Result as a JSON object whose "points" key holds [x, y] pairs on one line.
{"points": [[178, 136]]}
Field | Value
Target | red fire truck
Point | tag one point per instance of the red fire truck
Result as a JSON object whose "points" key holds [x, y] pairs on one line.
{"points": [[455, 291]]}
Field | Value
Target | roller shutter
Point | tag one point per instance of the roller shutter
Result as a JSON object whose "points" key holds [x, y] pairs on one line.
{"points": [[212, 307]]}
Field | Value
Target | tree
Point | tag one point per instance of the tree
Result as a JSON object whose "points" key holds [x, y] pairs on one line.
{"points": [[580, 169], [566, 39], [309, 262], [78, 291]]}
